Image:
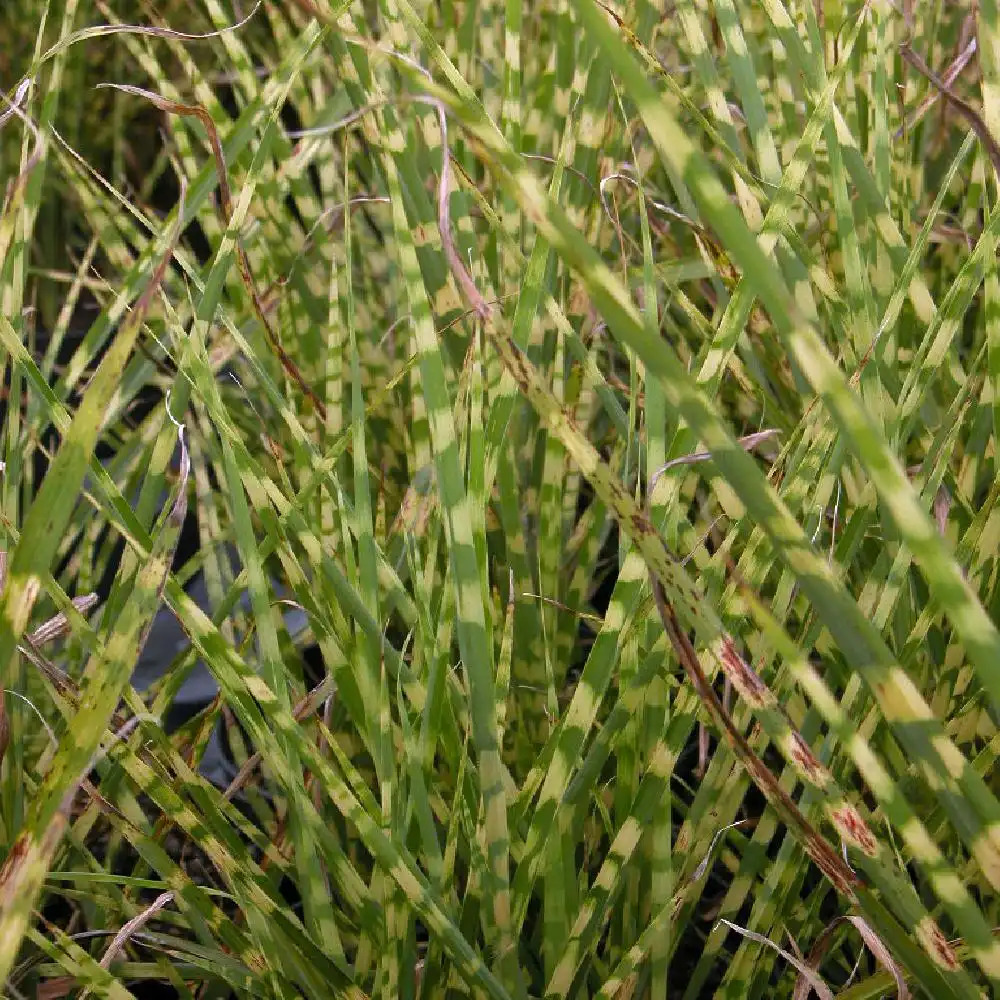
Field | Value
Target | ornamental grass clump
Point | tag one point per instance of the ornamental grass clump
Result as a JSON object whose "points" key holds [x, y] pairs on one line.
{"points": [[499, 500]]}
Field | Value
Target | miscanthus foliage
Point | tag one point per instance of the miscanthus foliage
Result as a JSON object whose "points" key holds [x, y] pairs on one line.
{"points": [[500, 499]]}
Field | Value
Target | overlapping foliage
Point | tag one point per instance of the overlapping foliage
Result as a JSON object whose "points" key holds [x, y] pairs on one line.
{"points": [[615, 392]]}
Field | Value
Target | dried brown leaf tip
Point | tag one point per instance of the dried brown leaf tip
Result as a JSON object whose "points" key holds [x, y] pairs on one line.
{"points": [[58, 625], [807, 972], [53, 628], [813, 961], [966, 110]]}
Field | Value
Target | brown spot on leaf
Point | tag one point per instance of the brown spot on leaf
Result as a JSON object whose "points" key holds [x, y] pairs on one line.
{"points": [[801, 753], [942, 507], [627, 988], [17, 852], [853, 828], [640, 526], [4, 724], [937, 945], [832, 866], [744, 677]]}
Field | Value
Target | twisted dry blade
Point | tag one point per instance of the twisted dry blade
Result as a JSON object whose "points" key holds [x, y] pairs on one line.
{"points": [[58, 625]]}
